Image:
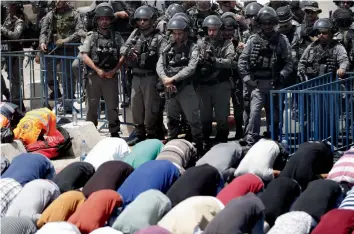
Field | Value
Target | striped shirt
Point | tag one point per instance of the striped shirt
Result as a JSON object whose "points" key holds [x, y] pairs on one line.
{"points": [[9, 189], [17, 225], [343, 169], [348, 202]]}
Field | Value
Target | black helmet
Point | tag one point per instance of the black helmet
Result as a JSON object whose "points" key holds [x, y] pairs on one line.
{"points": [[212, 21], [144, 12], [350, 2], [173, 9], [284, 14], [203, 5], [252, 9], [183, 16], [177, 23], [104, 9], [229, 19], [294, 4], [342, 17], [323, 23], [267, 15]]}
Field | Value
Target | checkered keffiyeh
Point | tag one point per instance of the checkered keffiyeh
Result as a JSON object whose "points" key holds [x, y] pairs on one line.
{"points": [[9, 189]]}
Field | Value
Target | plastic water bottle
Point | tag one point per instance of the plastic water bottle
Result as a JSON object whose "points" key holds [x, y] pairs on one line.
{"points": [[74, 115], [83, 150], [285, 144]]}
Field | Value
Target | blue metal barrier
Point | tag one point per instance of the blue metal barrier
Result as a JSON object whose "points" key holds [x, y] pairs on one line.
{"points": [[57, 64], [324, 110]]}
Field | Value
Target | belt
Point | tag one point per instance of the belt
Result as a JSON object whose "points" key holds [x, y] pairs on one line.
{"points": [[144, 74]]}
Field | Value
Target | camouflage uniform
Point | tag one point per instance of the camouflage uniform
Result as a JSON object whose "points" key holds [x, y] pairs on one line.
{"points": [[66, 25], [12, 29]]}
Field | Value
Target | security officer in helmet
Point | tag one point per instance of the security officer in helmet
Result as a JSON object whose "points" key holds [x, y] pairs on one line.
{"points": [[263, 65], [142, 51], [344, 4], [172, 9], [305, 32], [342, 19], [100, 52], [198, 13], [61, 25], [176, 69], [250, 12], [325, 54], [12, 29], [275, 4], [230, 31], [214, 88], [235, 8], [297, 11]]}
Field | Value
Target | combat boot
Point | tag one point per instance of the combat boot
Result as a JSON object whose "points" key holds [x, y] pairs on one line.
{"points": [[136, 140]]}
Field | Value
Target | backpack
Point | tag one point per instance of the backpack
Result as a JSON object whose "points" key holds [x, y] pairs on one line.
{"points": [[53, 146]]}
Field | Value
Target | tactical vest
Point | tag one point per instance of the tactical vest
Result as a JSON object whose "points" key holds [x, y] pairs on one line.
{"points": [[147, 51], [63, 24], [34, 123], [266, 57], [10, 24], [321, 61], [105, 50], [175, 59]]}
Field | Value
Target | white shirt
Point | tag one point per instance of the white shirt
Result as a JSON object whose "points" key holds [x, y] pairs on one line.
{"points": [[59, 228], [108, 149], [106, 230]]}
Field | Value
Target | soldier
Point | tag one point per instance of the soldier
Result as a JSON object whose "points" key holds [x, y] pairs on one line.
{"points": [[61, 25], [198, 13], [344, 4], [230, 6], [323, 55], [305, 31], [142, 50], [263, 65], [172, 9], [251, 11], [230, 32], [275, 4], [100, 52], [342, 19], [12, 29], [176, 68], [296, 10], [214, 88]]}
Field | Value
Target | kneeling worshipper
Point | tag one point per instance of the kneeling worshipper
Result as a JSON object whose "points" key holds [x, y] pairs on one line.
{"points": [[17, 225], [241, 215], [96, 210], [9, 189], [33, 199], [259, 160], [143, 152], [294, 222], [107, 149], [348, 201], [225, 157], [338, 221], [74, 176], [191, 215], [27, 167], [110, 175], [61, 208], [5, 163], [153, 230], [179, 151], [59, 228], [202, 180], [156, 174], [320, 197], [308, 162], [146, 210], [240, 186], [342, 170], [278, 198]]}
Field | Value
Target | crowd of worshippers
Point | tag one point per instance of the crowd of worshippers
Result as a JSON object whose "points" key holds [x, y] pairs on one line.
{"points": [[156, 188], [190, 59]]}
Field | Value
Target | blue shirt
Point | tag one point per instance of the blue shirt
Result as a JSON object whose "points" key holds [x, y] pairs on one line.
{"points": [[27, 167], [156, 174]]}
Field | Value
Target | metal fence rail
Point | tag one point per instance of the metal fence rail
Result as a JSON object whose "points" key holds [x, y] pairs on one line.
{"points": [[324, 110]]}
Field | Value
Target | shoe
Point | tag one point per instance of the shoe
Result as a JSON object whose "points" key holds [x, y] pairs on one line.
{"points": [[125, 103], [135, 141], [115, 134]]}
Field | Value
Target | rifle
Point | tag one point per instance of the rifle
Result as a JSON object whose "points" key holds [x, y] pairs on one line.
{"points": [[128, 51]]}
